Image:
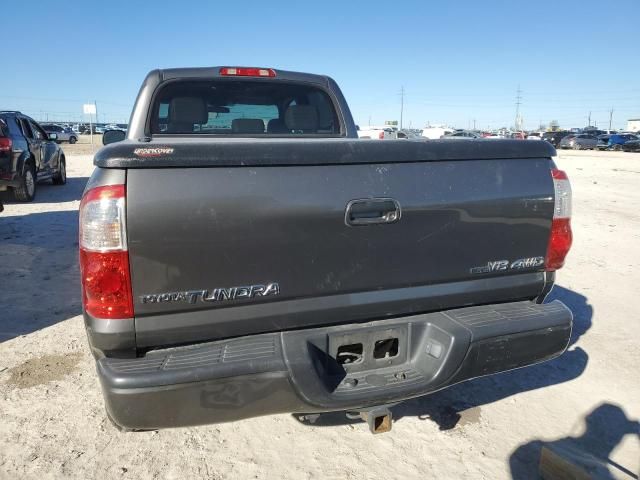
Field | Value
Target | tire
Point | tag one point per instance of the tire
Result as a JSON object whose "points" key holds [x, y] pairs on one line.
{"points": [[576, 146], [72, 140], [617, 148], [26, 191], [60, 177]]}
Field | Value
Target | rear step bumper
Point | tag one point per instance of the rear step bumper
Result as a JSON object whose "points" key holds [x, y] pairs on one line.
{"points": [[345, 367]]}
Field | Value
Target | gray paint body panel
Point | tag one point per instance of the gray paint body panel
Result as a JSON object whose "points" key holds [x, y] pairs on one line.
{"points": [[189, 326], [224, 212], [267, 151], [206, 228]]}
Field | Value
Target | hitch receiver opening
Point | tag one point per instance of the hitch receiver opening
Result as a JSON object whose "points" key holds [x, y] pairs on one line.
{"points": [[379, 420]]}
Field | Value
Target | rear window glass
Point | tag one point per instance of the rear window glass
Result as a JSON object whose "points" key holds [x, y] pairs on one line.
{"points": [[243, 108]]}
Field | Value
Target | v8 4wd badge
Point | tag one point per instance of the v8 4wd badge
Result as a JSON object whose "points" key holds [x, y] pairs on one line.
{"points": [[504, 265]]}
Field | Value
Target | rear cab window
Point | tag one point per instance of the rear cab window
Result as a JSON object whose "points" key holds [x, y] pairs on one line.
{"points": [[243, 108]]}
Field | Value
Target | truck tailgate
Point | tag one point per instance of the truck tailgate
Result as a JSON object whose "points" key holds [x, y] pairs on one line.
{"points": [[213, 229]]}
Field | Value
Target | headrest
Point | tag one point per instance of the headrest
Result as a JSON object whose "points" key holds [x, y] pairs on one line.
{"points": [[188, 110], [276, 125], [301, 117], [247, 125]]}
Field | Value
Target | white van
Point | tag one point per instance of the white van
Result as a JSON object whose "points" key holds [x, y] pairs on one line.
{"points": [[435, 133]]}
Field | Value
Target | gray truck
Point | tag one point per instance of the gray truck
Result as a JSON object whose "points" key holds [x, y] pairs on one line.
{"points": [[242, 253]]}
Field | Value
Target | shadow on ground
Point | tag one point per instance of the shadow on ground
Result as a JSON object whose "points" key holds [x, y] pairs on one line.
{"points": [[39, 262], [606, 426], [447, 407], [48, 193]]}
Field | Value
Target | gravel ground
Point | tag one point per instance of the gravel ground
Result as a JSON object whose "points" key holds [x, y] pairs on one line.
{"points": [[52, 422]]}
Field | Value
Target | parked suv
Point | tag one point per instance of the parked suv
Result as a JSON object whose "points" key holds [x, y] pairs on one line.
{"points": [[463, 135], [615, 141], [581, 141], [65, 134], [554, 138], [27, 155]]}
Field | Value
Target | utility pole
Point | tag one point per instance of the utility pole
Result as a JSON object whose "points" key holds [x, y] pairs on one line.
{"points": [[589, 121], [518, 103], [474, 123], [610, 118], [401, 105]]}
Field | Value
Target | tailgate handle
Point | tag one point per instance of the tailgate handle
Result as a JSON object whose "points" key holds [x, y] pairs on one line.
{"points": [[372, 211]]}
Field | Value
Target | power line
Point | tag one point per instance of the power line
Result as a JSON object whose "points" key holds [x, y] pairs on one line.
{"points": [[518, 103], [401, 105], [610, 118], [61, 100]]}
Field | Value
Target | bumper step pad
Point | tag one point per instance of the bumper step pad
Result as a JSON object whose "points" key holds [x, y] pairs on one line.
{"points": [[302, 371]]}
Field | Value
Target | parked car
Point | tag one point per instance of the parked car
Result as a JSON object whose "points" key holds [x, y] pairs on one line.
{"points": [[463, 135], [593, 131], [377, 133], [631, 146], [434, 133], [28, 155], [326, 273], [614, 142], [93, 128], [64, 134], [579, 141], [86, 128], [409, 135], [554, 138], [534, 136]]}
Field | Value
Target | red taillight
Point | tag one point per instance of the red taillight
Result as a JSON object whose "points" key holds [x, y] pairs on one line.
{"points": [[5, 144], [381, 135], [247, 72], [104, 259], [106, 284], [561, 237]]}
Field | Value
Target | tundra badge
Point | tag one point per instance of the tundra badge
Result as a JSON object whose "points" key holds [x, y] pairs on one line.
{"points": [[214, 295]]}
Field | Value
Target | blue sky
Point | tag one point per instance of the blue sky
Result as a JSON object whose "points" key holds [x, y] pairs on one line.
{"points": [[458, 61]]}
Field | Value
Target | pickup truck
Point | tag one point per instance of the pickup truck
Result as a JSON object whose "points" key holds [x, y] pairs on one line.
{"points": [[243, 253]]}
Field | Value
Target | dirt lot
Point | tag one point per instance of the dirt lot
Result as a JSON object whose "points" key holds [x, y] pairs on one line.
{"points": [[83, 146], [52, 422]]}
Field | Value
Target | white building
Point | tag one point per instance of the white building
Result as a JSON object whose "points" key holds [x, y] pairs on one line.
{"points": [[633, 125]]}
